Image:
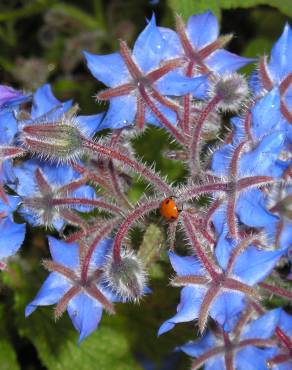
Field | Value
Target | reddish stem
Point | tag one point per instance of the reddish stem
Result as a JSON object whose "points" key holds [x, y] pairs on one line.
{"points": [[86, 202], [197, 246], [276, 290], [86, 263], [139, 168], [173, 130], [194, 159], [128, 222]]}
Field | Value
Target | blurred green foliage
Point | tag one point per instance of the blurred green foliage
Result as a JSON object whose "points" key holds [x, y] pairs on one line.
{"points": [[40, 41]]}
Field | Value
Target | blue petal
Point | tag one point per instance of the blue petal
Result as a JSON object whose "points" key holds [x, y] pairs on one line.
{"points": [[221, 159], [266, 114], [25, 178], [281, 55], [286, 323], [251, 358], [215, 363], [101, 252], [45, 102], [149, 47], [202, 29], [175, 84], [263, 327], [67, 254], [90, 124], [251, 209], [8, 127], [223, 249], [110, 69], [86, 192], [85, 314], [219, 220], [13, 202], [261, 160], [199, 347], [174, 48], [169, 114], [185, 265], [52, 290], [223, 61], [255, 265], [239, 132], [227, 309], [121, 112], [11, 237], [10, 97], [187, 310]]}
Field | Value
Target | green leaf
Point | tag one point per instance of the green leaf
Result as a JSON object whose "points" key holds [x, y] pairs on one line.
{"points": [[285, 6], [8, 360], [186, 8]]}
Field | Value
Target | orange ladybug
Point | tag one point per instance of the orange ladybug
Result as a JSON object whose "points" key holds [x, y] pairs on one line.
{"points": [[168, 209]]}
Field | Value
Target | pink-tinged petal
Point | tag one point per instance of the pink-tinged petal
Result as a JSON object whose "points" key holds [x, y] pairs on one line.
{"points": [[85, 314], [66, 254], [52, 290], [110, 69], [202, 29]]}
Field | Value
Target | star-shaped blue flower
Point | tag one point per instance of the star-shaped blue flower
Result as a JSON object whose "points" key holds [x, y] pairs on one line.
{"points": [[84, 299], [225, 301], [242, 348], [138, 81]]}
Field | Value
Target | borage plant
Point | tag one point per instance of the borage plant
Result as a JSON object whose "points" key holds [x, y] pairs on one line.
{"points": [[233, 207]]}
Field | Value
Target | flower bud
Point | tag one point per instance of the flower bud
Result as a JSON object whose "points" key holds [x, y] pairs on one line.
{"points": [[231, 89], [126, 278], [60, 141]]}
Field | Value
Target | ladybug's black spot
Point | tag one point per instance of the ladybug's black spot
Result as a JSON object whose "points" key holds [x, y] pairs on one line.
{"points": [[173, 218], [167, 201]]}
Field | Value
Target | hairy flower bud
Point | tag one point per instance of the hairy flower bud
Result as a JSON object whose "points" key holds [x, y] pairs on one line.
{"points": [[60, 141], [231, 89], [126, 278]]}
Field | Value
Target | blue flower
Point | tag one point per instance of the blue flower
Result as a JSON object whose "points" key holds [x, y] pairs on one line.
{"points": [[46, 108], [29, 188], [131, 77], [280, 64], [226, 302], [10, 97], [243, 347], [11, 233], [83, 297], [201, 31]]}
